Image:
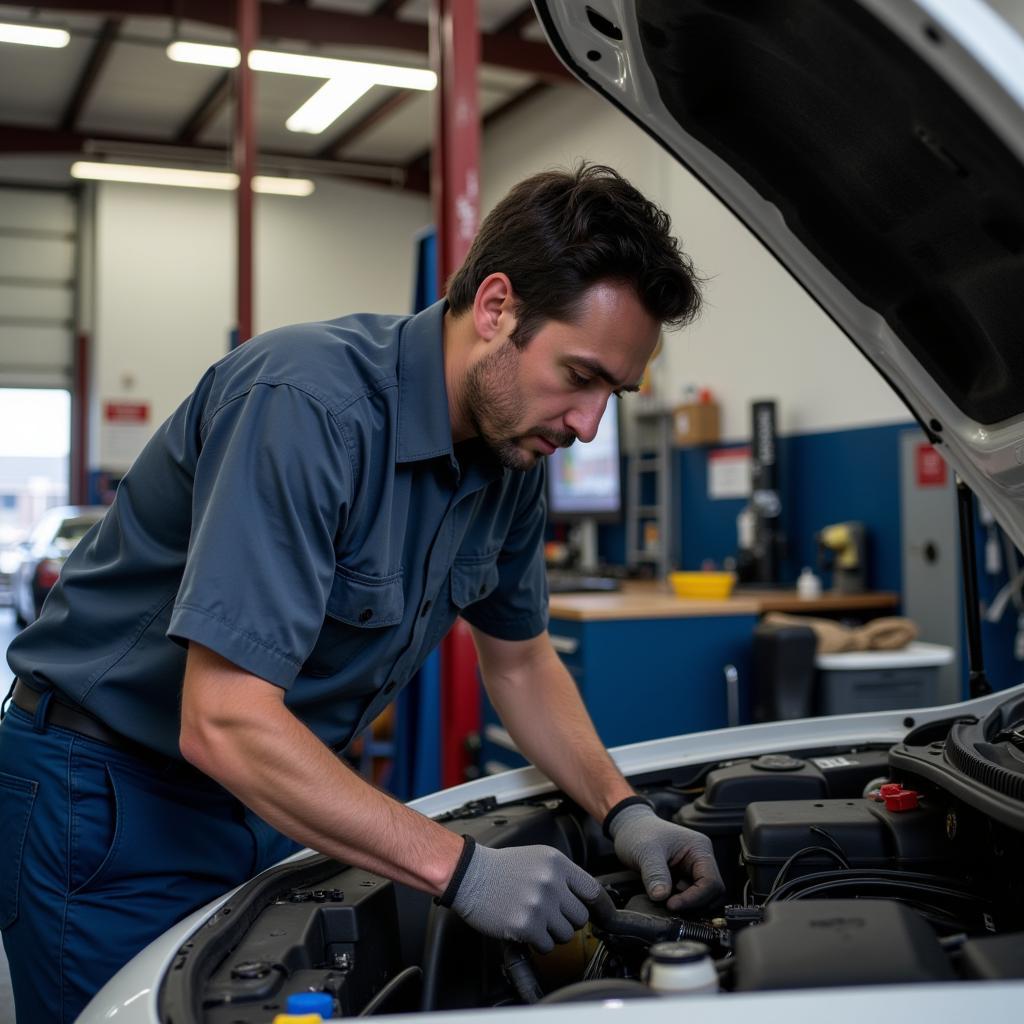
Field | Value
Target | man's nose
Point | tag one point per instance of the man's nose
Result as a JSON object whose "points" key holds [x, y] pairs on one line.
{"points": [[584, 419]]}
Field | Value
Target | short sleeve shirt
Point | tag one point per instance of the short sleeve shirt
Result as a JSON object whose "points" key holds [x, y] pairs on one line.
{"points": [[305, 514]]}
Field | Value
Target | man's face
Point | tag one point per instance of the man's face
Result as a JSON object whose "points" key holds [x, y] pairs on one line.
{"points": [[526, 402]]}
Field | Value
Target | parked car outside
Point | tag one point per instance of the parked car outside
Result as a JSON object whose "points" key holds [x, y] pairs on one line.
{"points": [[41, 557], [10, 559]]}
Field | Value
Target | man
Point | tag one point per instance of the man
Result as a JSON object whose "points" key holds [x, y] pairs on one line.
{"points": [[279, 561]]}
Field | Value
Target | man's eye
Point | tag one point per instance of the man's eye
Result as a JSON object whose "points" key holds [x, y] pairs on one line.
{"points": [[578, 379]]}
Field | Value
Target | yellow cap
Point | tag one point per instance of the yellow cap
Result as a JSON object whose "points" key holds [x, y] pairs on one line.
{"points": [[298, 1018]]}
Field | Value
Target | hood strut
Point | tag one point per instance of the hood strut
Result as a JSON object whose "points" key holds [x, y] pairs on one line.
{"points": [[978, 683]]}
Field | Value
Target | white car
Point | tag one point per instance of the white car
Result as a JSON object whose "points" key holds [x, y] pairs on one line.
{"points": [[877, 148], [42, 555]]}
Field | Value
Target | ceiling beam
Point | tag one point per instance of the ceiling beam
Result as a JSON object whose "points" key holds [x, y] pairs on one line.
{"points": [[90, 74], [380, 112], [515, 24], [388, 8], [15, 138], [317, 26], [206, 110]]}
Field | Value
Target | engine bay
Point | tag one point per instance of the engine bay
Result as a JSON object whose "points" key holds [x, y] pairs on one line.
{"points": [[843, 867]]}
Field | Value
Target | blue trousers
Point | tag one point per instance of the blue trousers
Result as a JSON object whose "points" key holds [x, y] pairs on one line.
{"points": [[101, 852]]}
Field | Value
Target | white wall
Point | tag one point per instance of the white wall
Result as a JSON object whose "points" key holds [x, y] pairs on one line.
{"points": [[165, 278], [164, 285], [760, 335], [345, 249]]}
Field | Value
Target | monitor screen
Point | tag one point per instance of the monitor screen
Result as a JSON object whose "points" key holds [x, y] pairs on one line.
{"points": [[585, 479]]}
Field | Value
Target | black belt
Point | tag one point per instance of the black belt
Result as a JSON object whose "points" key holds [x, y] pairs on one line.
{"points": [[67, 716]]}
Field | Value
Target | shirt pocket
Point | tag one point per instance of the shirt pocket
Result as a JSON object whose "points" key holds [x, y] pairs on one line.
{"points": [[473, 578], [359, 609], [16, 799]]}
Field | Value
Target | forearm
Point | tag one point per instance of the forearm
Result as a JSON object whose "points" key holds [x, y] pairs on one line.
{"points": [[255, 747], [540, 706]]}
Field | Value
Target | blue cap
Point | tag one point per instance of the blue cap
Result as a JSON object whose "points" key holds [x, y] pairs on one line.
{"points": [[311, 1002]]}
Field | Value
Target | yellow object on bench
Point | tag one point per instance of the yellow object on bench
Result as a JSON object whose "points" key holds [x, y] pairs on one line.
{"points": [[707, 585]]}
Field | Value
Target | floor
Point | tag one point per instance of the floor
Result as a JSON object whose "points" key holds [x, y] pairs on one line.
{"points": [[8, 630]]}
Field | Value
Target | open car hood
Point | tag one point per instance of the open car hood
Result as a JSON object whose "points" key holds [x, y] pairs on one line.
{"points": [[876, 148]]}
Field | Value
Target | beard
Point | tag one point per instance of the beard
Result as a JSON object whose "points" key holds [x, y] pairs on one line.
{"points": [[495, 408]]}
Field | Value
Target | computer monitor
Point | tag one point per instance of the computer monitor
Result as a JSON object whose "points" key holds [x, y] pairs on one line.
{"points": [[585, 480]]}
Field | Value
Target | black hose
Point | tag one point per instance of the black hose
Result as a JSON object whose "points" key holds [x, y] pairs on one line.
{"points": [[380, 1002], [647, 928], [884, 883], [440, 917], [784, 870], [519, 971], [884, 874]]}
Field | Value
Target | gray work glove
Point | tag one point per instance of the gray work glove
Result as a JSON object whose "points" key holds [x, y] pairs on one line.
{"points": [[658, 848], [528, 894]]}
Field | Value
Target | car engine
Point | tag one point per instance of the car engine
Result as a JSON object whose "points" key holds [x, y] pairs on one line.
{"points": [[842, 867]]}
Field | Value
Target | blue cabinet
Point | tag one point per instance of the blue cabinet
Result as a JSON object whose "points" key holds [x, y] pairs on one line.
{"points": [[643, 678]]}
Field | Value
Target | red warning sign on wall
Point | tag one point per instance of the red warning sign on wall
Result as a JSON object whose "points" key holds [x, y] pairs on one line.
{"points": [[126, 412], [124, 431], [931, 467]]}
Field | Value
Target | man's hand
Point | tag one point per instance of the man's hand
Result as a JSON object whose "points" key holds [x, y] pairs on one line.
{"points": [[655, 847], [531, 894]]}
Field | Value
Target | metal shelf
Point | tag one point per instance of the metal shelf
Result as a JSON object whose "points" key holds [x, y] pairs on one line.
{"points": [[651, 461]]}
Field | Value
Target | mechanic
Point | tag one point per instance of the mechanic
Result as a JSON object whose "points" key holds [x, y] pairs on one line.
{"points": [[278, 562]]}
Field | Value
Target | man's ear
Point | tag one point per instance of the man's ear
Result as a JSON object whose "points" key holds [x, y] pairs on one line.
{"points": [[494, 308]]}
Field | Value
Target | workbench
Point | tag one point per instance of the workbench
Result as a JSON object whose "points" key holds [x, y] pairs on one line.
{"points": [[650, 664]]}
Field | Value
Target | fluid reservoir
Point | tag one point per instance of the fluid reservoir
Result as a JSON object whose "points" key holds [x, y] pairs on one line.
{"points": [[675, 968]]}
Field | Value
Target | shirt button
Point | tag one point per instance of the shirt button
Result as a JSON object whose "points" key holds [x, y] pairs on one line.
{"points": [[365, 615], [390, 688], [425, 608]]}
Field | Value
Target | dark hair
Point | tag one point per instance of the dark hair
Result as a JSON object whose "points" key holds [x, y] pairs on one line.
{"points": [[559, 232]]}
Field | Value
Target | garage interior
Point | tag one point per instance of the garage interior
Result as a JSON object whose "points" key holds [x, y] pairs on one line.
{"points": [[163, 200]]}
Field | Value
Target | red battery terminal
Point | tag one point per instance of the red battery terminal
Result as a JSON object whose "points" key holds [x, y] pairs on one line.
{"points": [[897, 798]]}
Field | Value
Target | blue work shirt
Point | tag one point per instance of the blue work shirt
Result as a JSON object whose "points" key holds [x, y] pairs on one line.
{"points": [[305, 514]]}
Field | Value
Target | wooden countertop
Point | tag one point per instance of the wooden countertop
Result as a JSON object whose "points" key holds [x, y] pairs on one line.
{"points": [[790, 601], [653, 600]]}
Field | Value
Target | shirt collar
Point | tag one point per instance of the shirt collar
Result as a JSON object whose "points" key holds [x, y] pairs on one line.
{"points": [[424, 426], [424, 423]]}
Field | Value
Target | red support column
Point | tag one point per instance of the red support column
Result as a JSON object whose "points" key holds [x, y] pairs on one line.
{"points": [[247, 15], [455, 164], [455, 186], [80, 422]]}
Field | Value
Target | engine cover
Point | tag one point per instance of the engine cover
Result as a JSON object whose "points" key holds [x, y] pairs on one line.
{"points": [[820, 943]]}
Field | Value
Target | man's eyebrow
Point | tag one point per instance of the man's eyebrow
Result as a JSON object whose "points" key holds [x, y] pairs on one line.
{"points": [[595, 369]]}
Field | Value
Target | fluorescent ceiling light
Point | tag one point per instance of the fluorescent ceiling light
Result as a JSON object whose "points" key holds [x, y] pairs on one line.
{"points": [[347, 80], [203, 53], [303, 64], [33, 35], [300, 64], [139, 175], [282, 186], [327, 104], [224, 181], [330, 67]]}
